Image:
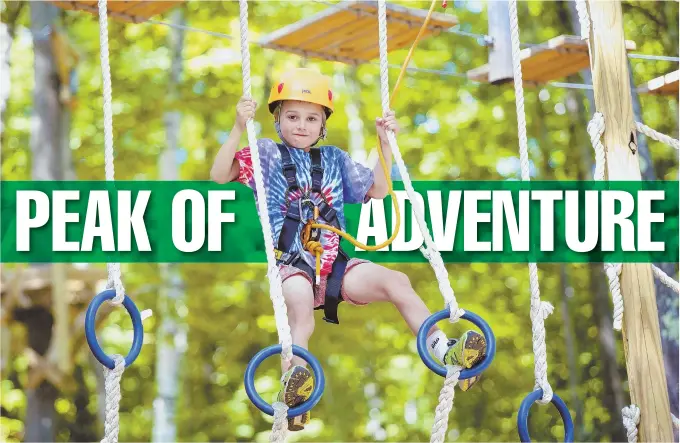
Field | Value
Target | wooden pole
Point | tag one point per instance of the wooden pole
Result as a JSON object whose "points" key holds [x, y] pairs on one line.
{"points": [[500, 51], [641, 334]]}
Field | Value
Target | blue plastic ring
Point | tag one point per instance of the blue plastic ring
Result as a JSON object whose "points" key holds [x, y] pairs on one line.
{"points": [[91, 334], [300, 409], [431, 363], [523, 415]]}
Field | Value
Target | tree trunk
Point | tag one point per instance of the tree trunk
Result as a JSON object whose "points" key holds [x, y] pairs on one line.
{"points": [[46, 162], [171, 334]]}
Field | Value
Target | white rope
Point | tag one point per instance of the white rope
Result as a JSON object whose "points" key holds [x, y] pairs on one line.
{"points": [[613, 270], [276, 293], [631, 418], [114, 280], [111, 376], [441, 418], [583, 18], [539, 309], [275, 286], [665, 279], [595, 130], [280, 427], [663, 138], [112, 387], [430, 252]]}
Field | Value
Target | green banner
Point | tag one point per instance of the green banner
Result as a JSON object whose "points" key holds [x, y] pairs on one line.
{"points": [[469, 221]]}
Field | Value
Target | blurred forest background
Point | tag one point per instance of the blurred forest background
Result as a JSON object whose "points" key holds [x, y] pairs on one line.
{"points": [[174, 94]]}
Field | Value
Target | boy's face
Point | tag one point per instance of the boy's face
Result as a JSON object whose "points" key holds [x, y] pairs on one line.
{"points": [[301, 123]]}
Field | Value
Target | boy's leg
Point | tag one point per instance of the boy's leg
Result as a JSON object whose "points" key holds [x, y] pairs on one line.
{"points": [[297, 292], [368, 283], [297, 381]]}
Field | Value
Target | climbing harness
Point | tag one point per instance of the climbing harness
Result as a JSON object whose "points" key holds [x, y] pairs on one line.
{"points": [[309, 234]]}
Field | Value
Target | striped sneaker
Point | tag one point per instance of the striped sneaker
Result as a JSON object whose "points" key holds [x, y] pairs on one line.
{"points": [[298, 384], [466, 351]]}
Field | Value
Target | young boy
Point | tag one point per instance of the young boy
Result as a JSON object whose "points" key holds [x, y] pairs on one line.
{"points": [[305, 182]]}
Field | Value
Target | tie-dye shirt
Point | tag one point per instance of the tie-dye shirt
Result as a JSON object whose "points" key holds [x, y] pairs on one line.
{"points": [[344, 181]]}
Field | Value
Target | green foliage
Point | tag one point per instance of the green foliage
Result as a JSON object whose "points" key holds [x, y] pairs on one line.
{"points": [[452, 129]]}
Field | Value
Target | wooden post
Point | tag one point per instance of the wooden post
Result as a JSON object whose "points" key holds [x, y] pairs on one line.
{"points": [[500, 51], [641, 335]]}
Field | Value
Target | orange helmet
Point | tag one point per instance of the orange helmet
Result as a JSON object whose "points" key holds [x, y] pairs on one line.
{"points": [[303, 84]]}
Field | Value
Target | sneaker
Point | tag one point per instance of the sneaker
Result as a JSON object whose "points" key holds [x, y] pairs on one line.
{"points": [[298, 384], [466, 351]]}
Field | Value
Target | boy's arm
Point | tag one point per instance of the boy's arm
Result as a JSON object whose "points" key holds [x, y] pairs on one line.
{"points": [[379, 188], [225, 167]]}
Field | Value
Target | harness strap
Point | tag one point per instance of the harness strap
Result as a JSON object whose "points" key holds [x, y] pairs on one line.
{"points": [[333, 295], [317, 170], [288, 168]]}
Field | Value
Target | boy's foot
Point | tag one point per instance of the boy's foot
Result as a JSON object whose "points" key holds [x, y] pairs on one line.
{"points": [[466, 351], [298, 384]]}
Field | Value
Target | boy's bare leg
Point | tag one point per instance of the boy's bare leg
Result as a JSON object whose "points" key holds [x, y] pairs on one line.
{"points": [[369, 283], [297, 292]]}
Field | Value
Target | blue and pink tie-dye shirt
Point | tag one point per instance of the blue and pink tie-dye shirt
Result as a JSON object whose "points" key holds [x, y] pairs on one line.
{"points": [[344, 181]]}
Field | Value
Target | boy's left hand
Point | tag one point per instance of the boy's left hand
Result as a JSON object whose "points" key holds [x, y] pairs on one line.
{"points": [[387, 122]]}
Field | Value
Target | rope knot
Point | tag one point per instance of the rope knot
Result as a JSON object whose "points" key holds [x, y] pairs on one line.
{"points": [[314, 247], [631, 418], [455, 312], [596, 126], [545, 309]]}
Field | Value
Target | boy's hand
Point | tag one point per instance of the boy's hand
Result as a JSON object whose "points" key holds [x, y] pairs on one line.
{"points": [[388, 122], [245, 110]]}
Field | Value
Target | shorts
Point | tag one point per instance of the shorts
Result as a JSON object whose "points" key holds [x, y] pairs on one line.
{"points": [[287, 271]]}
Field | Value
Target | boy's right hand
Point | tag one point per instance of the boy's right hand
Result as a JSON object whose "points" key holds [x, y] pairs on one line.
{"points": [[245, 110]]}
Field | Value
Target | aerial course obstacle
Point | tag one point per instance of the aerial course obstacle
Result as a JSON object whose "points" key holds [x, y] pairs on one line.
{"points": [[346, 33]]}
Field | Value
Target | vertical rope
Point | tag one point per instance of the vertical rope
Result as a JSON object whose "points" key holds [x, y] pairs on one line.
{"points": [[114, 280], [280, 426], [539, 309], [441, 418], [583, 18], [275, 285], [596, 128], [430, 252], [113, 396], [111, 376], [631, 418], [280, 312]]}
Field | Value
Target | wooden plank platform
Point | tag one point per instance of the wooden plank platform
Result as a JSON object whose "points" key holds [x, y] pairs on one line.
{"points": [[348, 32], [135, 11], [664, 85], [557, 58]]}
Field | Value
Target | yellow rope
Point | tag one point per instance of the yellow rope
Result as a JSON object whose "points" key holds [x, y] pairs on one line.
{"points": [[390, 191]]}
